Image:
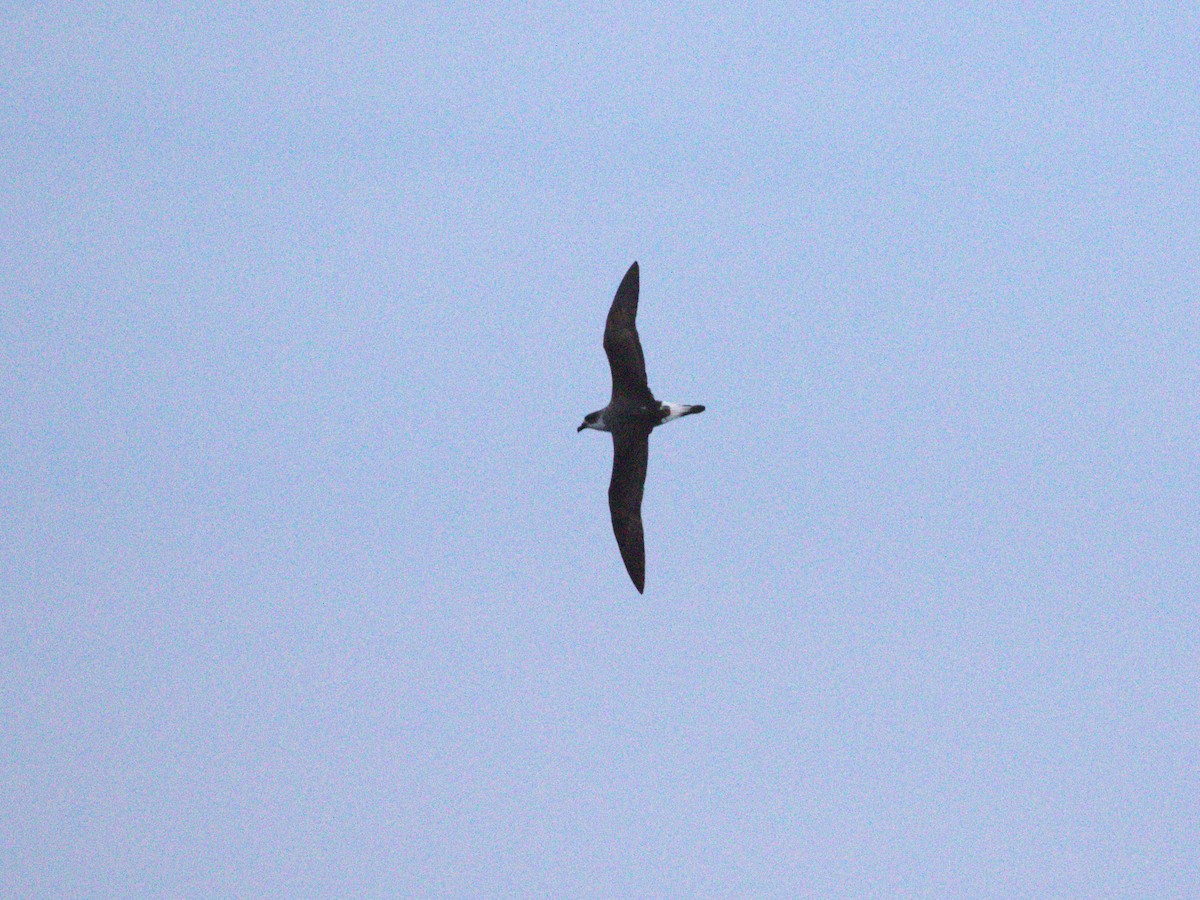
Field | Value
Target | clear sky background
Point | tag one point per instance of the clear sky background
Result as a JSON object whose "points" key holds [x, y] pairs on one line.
{"points": [[308, 583]]}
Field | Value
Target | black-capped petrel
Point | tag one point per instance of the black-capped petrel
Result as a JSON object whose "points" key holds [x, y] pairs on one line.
{"points": [[631, 415]]}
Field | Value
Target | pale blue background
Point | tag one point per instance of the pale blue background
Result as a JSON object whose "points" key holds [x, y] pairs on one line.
{"points": [[308, 582]]}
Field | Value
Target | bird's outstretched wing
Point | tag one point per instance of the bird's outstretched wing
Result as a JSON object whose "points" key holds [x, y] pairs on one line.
{"points": [[631, 451], [622, 345]]}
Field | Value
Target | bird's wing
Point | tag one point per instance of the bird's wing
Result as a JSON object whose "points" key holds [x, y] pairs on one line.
{"points": [[631, 450], [622, 345]]}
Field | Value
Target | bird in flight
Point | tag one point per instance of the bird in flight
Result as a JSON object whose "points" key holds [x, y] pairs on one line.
{"points": [[632, 413]]}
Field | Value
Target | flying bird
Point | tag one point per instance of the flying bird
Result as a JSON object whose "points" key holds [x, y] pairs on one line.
{"points": [[632, 413]]}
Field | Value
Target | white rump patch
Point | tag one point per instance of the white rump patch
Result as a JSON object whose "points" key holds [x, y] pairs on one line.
{"points": [[674, 411]]}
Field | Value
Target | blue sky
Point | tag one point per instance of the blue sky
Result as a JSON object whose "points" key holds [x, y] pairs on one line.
{"points": [[309, 587]]}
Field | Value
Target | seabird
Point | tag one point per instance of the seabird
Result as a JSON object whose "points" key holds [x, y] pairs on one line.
{"points": [[630, 416]]}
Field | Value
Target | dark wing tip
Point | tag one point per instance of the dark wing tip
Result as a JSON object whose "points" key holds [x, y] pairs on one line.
{"points": [[629, 284], [637, 573], [625, 300], [630, 542]]}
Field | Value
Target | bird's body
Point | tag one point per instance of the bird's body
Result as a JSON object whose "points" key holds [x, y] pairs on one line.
{"points": [[632, 413]]}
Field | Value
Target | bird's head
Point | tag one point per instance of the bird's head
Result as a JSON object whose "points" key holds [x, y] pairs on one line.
{"points": [[593, 420]]}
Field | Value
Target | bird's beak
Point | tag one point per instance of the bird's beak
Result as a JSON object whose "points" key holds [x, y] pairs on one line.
{"points": [[580, 428]]}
